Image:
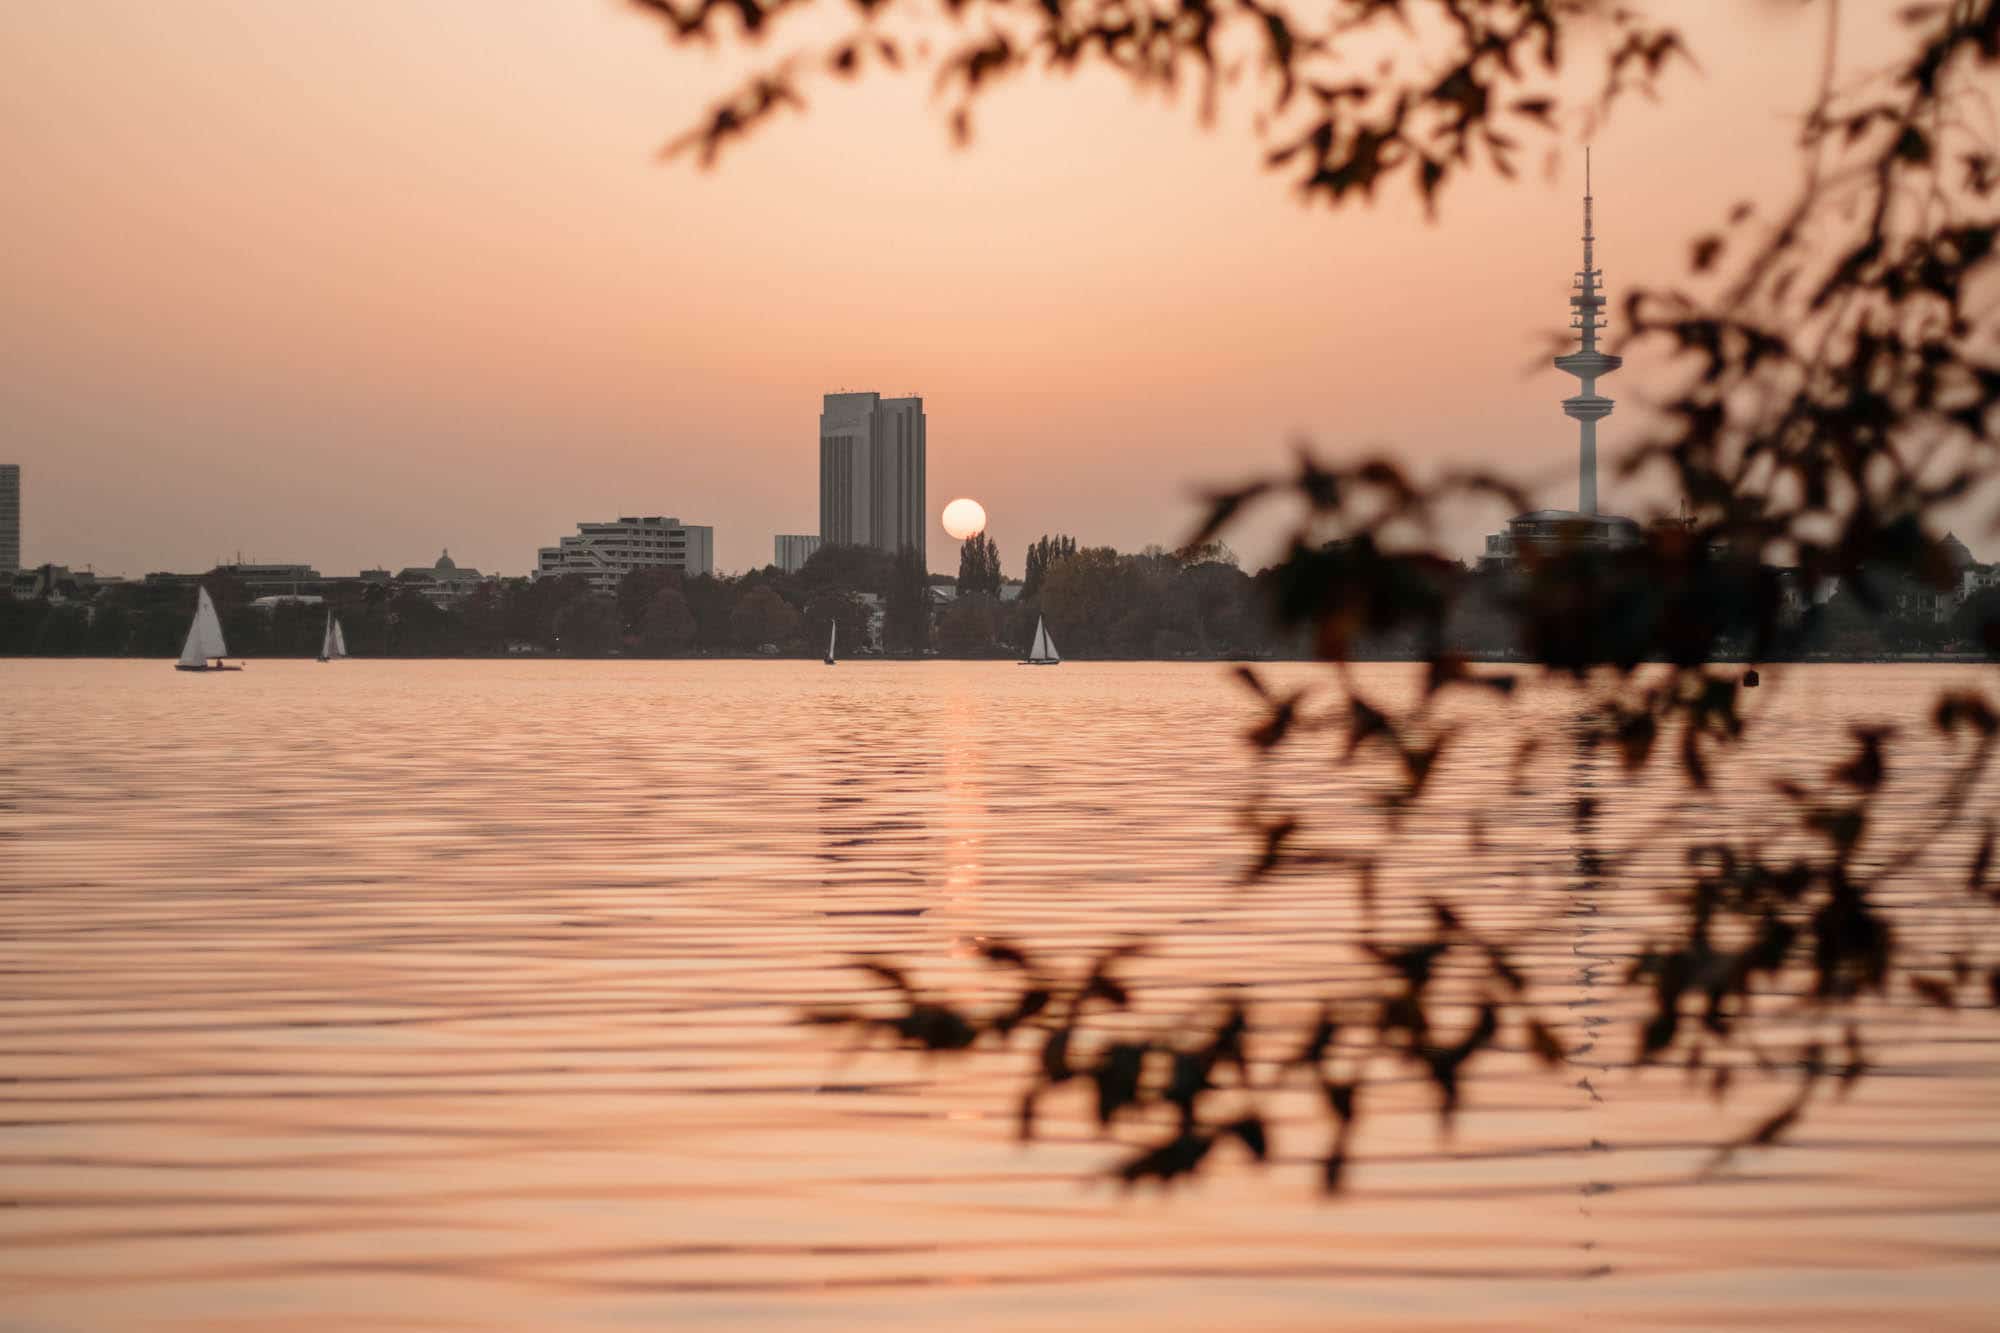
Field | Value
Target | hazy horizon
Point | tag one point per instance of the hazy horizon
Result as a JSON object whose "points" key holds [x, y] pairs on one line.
{"points": [[351, 284]]}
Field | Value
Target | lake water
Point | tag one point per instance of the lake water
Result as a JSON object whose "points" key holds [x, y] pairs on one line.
{"points": [[458, 995]]}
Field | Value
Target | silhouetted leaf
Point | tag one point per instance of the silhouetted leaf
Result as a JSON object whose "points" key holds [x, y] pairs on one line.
{"points": [[1117, 1077], [1332, 1171], [1772, 1129], [1934, 991], [1982, 862], [1545, 1045], [1250, 1130]]}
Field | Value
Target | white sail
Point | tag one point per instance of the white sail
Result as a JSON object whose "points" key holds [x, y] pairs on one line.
{"points": [[1045, 647], [334, 646], [832, 629], [204, 638]]}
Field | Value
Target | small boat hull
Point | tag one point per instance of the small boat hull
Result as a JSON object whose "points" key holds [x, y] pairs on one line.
{"points": [[1029, 661], [206, 667]]}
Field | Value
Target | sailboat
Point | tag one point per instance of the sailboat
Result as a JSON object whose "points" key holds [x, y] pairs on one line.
{"points": [[833, 628], [1044, 652], [204, 648], [334, 646]]}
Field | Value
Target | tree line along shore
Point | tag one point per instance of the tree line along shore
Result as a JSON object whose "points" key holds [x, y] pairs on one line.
{"points": [[1097, 602]]}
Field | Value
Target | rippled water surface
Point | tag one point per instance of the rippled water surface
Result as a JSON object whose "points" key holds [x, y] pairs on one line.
{"points": [[461, 995]]}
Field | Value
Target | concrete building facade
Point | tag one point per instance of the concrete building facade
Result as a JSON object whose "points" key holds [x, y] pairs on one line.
{"points": [[263, 578], [605, 552], [872, 471], [789, 552], [10, 517]]}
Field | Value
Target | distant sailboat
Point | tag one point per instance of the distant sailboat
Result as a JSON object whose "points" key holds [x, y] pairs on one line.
{"points": [[204, 648], [1044, 652], [833, 628], [334, 646]]}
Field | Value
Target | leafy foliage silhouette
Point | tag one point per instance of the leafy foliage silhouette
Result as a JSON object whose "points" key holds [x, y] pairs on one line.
{"points": [[1042, 556], [1353, 93], [979, 565], [1839, 391]]}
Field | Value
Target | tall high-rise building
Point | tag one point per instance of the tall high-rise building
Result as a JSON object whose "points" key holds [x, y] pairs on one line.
{"points": [[899, 475], [10, 517], [847, 468], [871, 471]]}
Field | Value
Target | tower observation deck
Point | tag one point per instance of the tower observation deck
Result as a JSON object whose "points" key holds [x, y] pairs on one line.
{"points": [[1546, 531], [1587, 407]]}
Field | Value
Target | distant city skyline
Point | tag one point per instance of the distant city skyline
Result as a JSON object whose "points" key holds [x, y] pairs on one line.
{"points": [[468, 320]]}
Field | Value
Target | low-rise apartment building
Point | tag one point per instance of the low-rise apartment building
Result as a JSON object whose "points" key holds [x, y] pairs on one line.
{"points": [[604, 553]]}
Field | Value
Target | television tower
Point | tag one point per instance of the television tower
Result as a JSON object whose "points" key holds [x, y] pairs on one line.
{"points": [[1588, 406]]}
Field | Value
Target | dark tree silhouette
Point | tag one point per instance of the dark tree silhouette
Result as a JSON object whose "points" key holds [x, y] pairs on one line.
{"points": [[1838, 396], [979, 566], [667, 626], [638, 590], [970, 626], [1042, 556], [763, 619], [583, 628], [906, 615]]}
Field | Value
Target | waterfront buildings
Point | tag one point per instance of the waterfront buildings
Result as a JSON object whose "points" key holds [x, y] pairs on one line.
{"points": [[605, 552], [262, 580], [272, 585], [10, 517], [58, 583], [1546, 531], [443, 583], [258, 580], [790, 551], [871, 471]]}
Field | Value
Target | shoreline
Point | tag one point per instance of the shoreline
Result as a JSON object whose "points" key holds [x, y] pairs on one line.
{"points": [[1887, 659]]}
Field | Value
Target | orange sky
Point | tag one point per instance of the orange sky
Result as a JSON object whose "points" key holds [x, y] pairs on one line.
{"points": [[348, 283]]}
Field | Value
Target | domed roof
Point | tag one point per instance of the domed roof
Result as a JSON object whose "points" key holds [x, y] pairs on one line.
{"points": [[1956, 551], [445, 561]]}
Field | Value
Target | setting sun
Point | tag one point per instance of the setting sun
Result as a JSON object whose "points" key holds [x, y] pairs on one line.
{"points": [[964, 518]]}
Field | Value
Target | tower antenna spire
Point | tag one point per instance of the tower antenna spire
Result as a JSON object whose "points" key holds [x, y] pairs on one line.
{"points": [[1587, 407]]}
